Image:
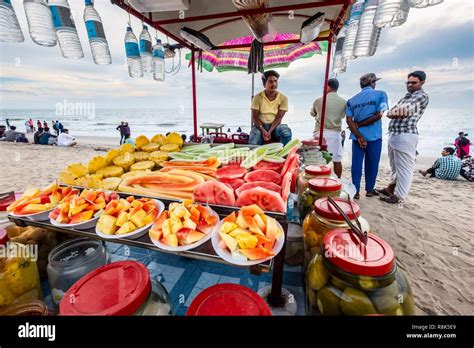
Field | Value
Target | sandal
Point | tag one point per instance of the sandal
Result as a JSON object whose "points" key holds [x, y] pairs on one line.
{"points": [[357, 195], [371, 194], [383, 192], [393, 199]]}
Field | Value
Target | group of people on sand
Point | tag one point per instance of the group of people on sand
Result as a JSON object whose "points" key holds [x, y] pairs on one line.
{"points": [[125, 132]]}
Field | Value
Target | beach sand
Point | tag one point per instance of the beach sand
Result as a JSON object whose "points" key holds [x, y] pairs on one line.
{"points": [[431, 233]]}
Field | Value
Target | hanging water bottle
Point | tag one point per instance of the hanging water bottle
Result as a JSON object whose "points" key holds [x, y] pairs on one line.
{"points": [[65, 29], [402, 15], [40, 22], [356, 12], [133, 54], [376, 42], [424, 3], [95, 31], [158, 61], [389, 11], [145, 49], [367, 33], [10, 30], [340, 63]]}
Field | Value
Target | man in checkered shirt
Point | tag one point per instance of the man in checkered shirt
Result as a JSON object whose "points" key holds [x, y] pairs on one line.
{"points": [[447, 167], [403, 138]]}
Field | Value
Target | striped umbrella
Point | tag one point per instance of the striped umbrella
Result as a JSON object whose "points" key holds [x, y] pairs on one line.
{"points": [[276, 56]]}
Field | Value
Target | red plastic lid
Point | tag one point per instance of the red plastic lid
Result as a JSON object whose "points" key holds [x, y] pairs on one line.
{"points": [[325, 184], [323, 208], [228, 300], [313, 142], [3, 236], [119, 288], [4, 203], [318, 170], [342, 249]]}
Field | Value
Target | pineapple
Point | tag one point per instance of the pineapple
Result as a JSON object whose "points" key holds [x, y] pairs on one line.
{"points": [[111, 154], [125, 160], [175, 138], [159, 139], [110, 171], [140, 141], [142, 165], [96, 163], [67, 178], [111, 183], [141, 156], [151, 147], [127, 148], [170, 148], [77, 169]]}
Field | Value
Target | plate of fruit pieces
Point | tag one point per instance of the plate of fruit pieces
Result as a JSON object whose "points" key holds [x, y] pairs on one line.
{"points": [[36, 204], [248, 237], [184, 226], [81, 210], [128, 217]]}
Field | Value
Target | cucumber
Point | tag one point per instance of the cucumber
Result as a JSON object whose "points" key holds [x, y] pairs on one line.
{"points": [[225, 146], [274, 159], [196, 148], [182, 156], [272, 147], [287, 148], [254, 157]]}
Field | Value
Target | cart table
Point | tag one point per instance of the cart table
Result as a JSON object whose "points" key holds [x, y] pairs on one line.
{"points": [[206, 127]]}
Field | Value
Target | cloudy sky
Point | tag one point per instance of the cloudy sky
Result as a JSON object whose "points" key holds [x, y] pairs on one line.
{"points": [[439, 40]]}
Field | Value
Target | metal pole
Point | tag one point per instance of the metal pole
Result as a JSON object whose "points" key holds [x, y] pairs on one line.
{"points": [[326, 78], [253, 93], [193, 74]]}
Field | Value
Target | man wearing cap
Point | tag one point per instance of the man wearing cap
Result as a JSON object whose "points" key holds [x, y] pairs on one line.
{"points": [[335, 113], [363, 114], [403, 137]]}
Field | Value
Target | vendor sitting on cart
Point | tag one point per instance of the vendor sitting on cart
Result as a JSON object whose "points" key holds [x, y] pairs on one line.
{"points": [[268, 109]]}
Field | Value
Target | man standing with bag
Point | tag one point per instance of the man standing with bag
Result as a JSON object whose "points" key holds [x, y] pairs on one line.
{"points": [[403, 138]]}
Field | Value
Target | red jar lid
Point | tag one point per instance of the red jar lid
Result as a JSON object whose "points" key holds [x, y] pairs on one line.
{"points": [[119, 288], [323, 208], [318, 170], [4, 203], [341, 248], [3, 236], [325, 184], [228, 300]]}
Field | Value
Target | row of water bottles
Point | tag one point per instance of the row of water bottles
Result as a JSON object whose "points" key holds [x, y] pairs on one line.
{"points": [[51, 22], [143, 57]]}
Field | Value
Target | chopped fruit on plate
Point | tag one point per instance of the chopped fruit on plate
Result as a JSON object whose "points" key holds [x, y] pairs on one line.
{"points": [[122, 216], [249, 234], [183, 224]]}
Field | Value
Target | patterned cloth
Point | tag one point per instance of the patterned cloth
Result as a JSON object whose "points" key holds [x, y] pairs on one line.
{"points": [[415, 103], [447, 167]]}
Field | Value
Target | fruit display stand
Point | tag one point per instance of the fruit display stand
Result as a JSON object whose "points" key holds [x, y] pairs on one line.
{"points": [[203, 252]]}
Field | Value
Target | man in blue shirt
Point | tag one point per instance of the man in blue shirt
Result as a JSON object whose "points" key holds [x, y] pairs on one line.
{"points": [[363, 114]]}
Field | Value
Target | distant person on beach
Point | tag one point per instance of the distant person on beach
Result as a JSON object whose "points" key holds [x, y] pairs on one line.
{"points": [[65, 140], [403, 138], [2, 130], [32, 125], [47, 138], [55, 127], [335, 113], [39, 124], [239, 130], [10, 135], [121, 130], [467, 168], [60, 127], [463, 145], [45, 124], [27, 126], [447, 167], [268, 109], [184, 137], [37, 135], [364, 118], [126, 131], [8, 123]]}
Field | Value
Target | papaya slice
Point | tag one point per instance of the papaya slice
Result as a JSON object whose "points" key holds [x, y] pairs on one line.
{"points": [[256, 253]]}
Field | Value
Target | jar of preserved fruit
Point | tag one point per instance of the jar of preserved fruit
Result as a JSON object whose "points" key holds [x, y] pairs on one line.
{"points": [[312, 172], [348, 278], [318, 188], [119, 288]]}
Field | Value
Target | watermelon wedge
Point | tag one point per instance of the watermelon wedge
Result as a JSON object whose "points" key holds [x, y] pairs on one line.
{"points": [[233, 183], [265, 165], [263, 175], [250, 185], [286, 186], [291, 161], [266, 199], [231, 171], [214, 192]]}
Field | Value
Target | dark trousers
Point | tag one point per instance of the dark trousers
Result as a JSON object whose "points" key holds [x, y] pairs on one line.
{"points": [[431, 171]]}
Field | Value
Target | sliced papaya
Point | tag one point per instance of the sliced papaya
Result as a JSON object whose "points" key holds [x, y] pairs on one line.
{"points": [[256, 253]]}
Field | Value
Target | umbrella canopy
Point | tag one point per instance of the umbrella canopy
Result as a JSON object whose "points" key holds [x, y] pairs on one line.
{"points": [[276, 56]]}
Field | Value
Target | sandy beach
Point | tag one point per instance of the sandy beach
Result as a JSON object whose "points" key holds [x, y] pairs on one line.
{"points": [[431, 232]]}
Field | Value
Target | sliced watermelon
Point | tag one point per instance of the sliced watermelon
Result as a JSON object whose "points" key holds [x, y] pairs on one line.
{"points": [[266, 199], [214, 192], [294, 178], [250, 185], [291, 161], [265, 165], [286, 186], [234, 183], [263, 175], [231, 171]]}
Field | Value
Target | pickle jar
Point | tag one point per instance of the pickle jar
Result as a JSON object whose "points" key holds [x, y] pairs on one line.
{"points": [[120, 288], [317, 188], [19, 277], [312, 172], [348, 278]]}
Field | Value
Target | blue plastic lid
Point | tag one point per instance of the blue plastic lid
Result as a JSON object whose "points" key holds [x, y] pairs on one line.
{"points": [[158, 41], [129, 29], [89, 2], [145, 27]]}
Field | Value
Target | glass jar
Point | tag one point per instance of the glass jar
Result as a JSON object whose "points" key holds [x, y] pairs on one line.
{"points": [[119, 288], [318, 188], [33, 308], [325, 218], [71, 260], [19, 278], [311, 172], [350, 279]]}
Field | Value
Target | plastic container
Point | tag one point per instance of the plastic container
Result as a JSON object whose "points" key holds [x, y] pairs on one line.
{"points": [[228, 300], [19, 278], [146, 49], [132, 50], [352, 29], [158, 61], [367, 33], [351, 279], [10, 30], [40, 22], [402, 15], [340, 63], [391, 13], [33, 308], [325, 218], [317, 188], [119, 288], [95, 32], [65, 29], [70, 261], [312, 172]]}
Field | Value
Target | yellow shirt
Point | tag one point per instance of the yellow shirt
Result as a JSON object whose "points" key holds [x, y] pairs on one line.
{"points": [[268, 109], [335, 112]]}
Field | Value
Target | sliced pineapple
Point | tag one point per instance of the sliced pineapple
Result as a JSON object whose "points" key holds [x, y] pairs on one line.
{"points": [[142, 165], [111, 183], [170, 148], [125, 160], [174, 138], [159, 139], [141, 156], [159, 156], [96, 163], [135, 172], [140, 141], [127, 148], [67, 178], [110, 171], [93, 181], [111, 154], [151, 147], [77, 169]]}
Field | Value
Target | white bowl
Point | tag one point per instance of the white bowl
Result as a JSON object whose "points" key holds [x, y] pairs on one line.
{"points": [[41, 216], [189, 246], [227, 256], [85, 225]]}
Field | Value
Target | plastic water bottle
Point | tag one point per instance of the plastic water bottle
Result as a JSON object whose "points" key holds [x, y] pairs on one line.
{"points": [[367, 33], [356, 12], [340, 63], [376, 42], [65, 29], [133, 54], [10, 30], [424, 3], [158, 61], [402, 15], [145, 49], [40, 22], [95, 31], [391, 13]]}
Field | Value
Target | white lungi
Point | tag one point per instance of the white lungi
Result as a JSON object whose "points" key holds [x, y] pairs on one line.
{"points": [[402, 155], [334, 143]]}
